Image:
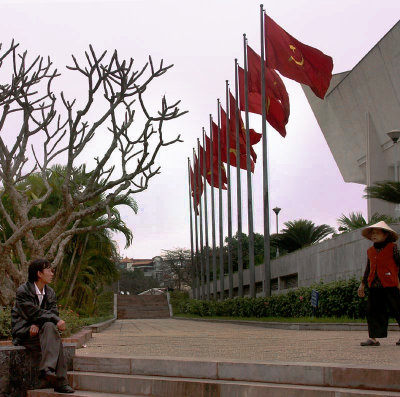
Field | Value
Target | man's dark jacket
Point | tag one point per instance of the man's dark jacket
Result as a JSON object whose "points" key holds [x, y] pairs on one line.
{"points": [[27, 311]]}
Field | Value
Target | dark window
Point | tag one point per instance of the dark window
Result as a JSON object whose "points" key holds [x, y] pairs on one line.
{"points": [[274, 284], [290, 281]]}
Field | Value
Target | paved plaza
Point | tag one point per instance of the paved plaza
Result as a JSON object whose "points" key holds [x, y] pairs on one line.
{"points": [[207, 340]]}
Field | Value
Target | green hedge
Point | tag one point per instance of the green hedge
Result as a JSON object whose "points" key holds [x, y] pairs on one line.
{"points": [[336, 299]]}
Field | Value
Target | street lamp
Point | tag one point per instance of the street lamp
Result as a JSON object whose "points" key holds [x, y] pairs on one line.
{"points": [[277, 210], [394, 135]]}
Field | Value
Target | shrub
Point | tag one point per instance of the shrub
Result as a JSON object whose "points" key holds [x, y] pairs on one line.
{"points": [[5, 323], [336, 299]]}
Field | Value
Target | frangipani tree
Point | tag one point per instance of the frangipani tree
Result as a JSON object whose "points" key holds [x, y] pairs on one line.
{"points": [[49, 128]]}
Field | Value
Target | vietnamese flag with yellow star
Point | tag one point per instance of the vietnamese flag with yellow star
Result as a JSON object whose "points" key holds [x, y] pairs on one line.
{"points": [[296, 60], [277, 98], [224, 178]]}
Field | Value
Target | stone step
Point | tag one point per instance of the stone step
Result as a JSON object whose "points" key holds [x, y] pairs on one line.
{"points": [[143, 304], [78, 393], [159, 386], [145, 312], [144, 308], [137, 314], [310, 374], [141, 300]]}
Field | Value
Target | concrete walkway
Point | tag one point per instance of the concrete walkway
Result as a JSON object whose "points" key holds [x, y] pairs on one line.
{"points": [[202, 340]]}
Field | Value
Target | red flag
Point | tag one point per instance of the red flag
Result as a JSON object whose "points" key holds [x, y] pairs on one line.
{"points": [[224, 179], [277, 98], [255, 137], [242, 143], [194, 176], [296, 60], [195, 204], [232, 142]]}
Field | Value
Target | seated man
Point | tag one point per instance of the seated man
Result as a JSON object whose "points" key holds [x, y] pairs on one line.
{"points": [[36, 324]]}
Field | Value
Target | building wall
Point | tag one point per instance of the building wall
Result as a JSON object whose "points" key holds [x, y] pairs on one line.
{"points": [[339, 258], [360, 107]]}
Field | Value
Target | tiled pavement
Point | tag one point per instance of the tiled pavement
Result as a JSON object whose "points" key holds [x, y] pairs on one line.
{"points": [[194, 339]]}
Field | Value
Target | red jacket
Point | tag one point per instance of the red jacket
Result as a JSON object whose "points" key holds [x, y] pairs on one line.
{"points": [[383, 264]]}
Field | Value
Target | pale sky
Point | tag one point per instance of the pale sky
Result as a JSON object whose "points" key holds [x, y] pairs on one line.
{"points": [[202, 39]]}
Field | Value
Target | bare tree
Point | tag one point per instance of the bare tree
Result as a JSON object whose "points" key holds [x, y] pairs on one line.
{"points": [[177, 267], [55, 129]]}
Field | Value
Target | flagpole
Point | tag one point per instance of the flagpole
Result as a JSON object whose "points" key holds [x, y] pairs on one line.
{"points": [[267, 260], [228, 163], [201, 285], [191, 231], [207, 248], [195, 227], [238, 188], [221, 219], [249, 186], [214, 254]]}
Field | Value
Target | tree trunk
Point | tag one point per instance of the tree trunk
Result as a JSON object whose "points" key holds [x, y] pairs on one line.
{"points": [[70, 270], [77, 270], [11, 278]]}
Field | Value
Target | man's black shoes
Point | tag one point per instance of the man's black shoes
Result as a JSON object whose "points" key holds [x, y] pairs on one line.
{"points": [[64, 389], [49, 375]]}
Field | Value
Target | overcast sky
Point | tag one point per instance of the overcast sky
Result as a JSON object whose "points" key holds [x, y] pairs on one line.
{"points": [[202, 38]]}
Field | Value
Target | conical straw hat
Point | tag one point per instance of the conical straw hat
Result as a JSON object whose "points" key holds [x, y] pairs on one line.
{"points": [[380, 225]]}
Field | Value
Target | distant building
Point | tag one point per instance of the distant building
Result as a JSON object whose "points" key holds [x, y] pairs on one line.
{"points": [[150, 267]]}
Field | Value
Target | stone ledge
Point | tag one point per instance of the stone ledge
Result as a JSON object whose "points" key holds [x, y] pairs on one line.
{"points": [[80, 338], [19, 369], [18, 366], [96, 328], [294, 326]]}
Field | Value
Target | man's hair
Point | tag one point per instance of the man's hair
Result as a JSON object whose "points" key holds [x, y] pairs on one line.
{"points": [[38, 265]]}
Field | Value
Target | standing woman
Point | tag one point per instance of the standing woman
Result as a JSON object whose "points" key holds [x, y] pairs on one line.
{"points": [[382, 277]]}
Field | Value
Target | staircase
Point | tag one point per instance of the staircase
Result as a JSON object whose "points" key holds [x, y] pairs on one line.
{"points": [[142, 306], [183, 377]]}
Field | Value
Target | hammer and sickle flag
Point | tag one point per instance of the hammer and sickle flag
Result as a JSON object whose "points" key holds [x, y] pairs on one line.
{"points": [[296, 60], [278, 106]]}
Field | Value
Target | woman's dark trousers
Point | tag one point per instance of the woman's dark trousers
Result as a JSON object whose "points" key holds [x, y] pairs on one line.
{"points": [[381, 302]]}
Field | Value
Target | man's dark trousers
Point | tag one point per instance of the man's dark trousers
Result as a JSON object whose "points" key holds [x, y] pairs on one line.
{"points": [[48, 341]]}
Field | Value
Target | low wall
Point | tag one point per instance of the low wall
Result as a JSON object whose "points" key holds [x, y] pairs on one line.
{"points": [[339, 258], [19, 369]]}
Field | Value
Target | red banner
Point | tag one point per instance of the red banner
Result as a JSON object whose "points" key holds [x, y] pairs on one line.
{"points": [[224, 178], [277, 98], [296, 60]]}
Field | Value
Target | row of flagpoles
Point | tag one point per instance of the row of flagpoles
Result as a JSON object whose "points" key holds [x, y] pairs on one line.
{"points": [[260, 90]]}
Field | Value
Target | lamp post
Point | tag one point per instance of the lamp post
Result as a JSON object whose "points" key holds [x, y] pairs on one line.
{"points": [[394, 135], [277, 210]]}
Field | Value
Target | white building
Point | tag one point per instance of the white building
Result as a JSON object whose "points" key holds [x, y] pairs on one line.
{"points": [[360, 107]]}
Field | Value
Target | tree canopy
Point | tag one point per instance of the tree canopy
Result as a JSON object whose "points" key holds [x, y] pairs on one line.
{"points": [[50, 128]]}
